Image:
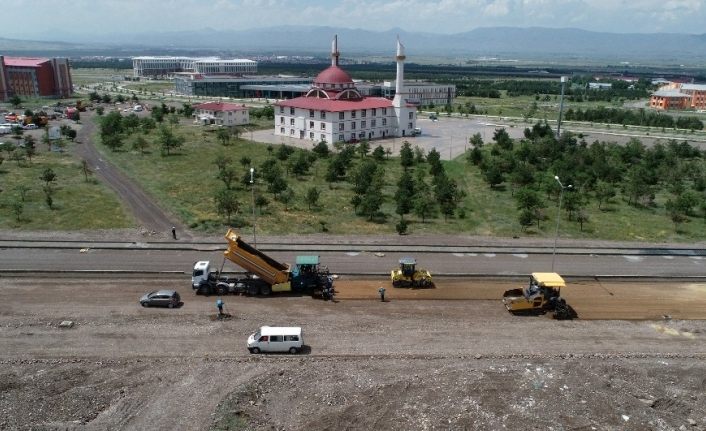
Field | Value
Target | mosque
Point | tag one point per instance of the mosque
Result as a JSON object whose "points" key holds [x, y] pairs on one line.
{"points": [[333, 110]]}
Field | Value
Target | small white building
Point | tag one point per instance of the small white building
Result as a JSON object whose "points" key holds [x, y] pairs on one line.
{"points": [[333, 110], [222, 114]]}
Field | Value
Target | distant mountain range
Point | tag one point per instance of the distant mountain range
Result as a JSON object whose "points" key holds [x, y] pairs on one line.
{"points": [[501, 42]]}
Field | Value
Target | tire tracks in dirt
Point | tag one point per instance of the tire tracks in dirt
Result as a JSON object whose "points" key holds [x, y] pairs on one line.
{"points": [[146, 212]]}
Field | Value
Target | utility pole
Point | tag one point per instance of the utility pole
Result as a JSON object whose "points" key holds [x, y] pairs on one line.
{"points": [[561, 107], [558, 216], [254, 219]]}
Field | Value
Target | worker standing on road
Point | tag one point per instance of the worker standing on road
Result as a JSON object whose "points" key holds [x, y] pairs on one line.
{"points": [[381, 291], [173, 232], [219, 304]]}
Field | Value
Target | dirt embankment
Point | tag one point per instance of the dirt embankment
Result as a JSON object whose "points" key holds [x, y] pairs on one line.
{"points": [[405, 364]]}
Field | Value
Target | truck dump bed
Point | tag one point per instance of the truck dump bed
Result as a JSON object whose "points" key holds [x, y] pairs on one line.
{"points": [[252, 260]]}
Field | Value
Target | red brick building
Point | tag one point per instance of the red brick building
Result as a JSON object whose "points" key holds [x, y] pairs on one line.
{"points": [[34, 77], [679, 96]]}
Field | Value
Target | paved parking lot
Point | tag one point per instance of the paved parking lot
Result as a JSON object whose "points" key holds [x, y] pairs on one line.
{"points": [[450, 135]]}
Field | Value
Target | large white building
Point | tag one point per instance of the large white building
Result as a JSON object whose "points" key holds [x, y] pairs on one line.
{"points": [[166, 66], [333, 110]]}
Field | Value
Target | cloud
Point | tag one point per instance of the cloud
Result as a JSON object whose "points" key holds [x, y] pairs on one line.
{"points": [[436, 16]]}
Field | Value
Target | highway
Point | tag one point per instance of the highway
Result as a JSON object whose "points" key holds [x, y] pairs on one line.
{"points": [[357, 259]]}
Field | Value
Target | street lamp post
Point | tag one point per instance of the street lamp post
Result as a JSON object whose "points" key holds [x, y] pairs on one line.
{"points": [[561, 107], [254, 218], [558, 216]]}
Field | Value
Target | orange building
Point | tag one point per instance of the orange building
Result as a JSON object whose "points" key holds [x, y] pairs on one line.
{"points": [[679, 96], [34, 77]]}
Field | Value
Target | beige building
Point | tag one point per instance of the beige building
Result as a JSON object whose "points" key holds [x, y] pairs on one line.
{"points": [[221, 114]]}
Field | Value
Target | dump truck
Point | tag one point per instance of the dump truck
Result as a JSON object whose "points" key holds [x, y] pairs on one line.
{"points": [[542, 294], [409, 276], [264, 276]]}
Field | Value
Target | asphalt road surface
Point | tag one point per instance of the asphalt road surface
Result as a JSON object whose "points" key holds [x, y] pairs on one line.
{"points": [[355, 261]]}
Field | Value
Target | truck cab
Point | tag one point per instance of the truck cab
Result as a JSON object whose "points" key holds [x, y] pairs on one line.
{"points": [[200, 273]]}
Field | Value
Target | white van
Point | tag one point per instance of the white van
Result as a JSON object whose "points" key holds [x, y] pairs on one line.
{"points": [[276, 339]]}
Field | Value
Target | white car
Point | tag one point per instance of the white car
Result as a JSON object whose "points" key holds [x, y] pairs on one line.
{"points": [[30, 126]]}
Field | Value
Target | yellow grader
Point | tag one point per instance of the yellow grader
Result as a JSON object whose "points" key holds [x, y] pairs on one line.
{"points": [[409, 276]]}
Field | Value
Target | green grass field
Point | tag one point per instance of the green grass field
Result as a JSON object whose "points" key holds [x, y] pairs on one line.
{"points": [[78, 204], [186, 182]]}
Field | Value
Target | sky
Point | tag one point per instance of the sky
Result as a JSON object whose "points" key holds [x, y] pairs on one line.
{"points": [[27, 19]]}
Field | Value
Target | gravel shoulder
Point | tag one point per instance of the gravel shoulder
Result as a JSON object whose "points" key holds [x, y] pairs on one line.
{"points": [[403, 364]]}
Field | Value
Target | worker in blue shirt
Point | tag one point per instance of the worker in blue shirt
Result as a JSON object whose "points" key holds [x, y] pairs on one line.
{"points": [[219, 304]]}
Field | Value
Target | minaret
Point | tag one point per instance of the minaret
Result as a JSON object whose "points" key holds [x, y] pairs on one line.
{"points": [[334, 51], [399, 81]]}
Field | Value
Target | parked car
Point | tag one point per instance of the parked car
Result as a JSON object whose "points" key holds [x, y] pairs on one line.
{"points": [[161, 298], [30, 126]]}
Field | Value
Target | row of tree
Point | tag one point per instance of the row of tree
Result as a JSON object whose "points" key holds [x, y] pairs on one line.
{"points": [[599, 172], [640, 117]]}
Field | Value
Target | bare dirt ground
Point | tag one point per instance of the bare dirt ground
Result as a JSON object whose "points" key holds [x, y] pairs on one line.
{"points": [[444, 364]]}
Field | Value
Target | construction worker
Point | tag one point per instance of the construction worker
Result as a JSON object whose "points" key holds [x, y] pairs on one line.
{"points": [[219, 304], [381, 291]]}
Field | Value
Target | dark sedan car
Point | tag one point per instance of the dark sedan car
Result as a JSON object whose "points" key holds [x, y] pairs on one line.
{"points": [[161, 298]]}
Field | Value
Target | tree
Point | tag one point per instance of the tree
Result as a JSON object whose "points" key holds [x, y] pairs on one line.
{"points": [[228, 175], [48, 190], [372, 200], [131, 122], [404, 196], [582, 217], [106, 98], [312, 197], [300, 164], [22, 190], [401, 227], [277, 186], [379, 154], [245, 161], [424, 203], [168, 140], [604, 192], [493, 174], [18, 155], [261, 201], [675, 213], [100, 110], [140, 144], [502, 139], [226, 203], [475, 156], [48, 176], [476, 140], [86, 169], [15, 101], [434, 160], [173, 120], [286, 197], [526, 218], [406, 155], [283, 152], [187, 110], [363, 148], [321, 149], [71, 134], [223, 136], [30, 148], [17, 208]]}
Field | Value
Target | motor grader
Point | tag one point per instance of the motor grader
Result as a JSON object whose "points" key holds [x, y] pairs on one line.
{"points": [[409, 276], [542, 294]]}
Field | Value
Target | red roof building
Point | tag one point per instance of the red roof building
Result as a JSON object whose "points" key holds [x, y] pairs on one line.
{"points": [[333, 110], [222, 114], [34, 77]]}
